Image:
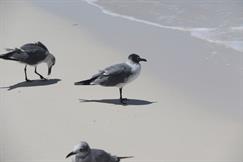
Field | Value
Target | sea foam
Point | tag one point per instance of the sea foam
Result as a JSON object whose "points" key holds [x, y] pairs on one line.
{"points": [[211, 35]]}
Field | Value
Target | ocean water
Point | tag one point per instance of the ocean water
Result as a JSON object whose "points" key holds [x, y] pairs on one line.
{"points": [[215, 21]]}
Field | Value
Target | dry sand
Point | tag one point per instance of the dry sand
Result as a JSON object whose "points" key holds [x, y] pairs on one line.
{"points": [[195, 111]]}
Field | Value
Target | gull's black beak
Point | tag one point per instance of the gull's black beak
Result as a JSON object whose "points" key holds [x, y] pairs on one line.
{"points": [[49, 70], [70, 154], [142, 59]]}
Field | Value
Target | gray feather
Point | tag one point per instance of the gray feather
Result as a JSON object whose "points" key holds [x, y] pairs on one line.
{"points": [[113, 75]]}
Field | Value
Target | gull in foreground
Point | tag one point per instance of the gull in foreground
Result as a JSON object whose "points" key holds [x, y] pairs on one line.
{"points": [[117, 75], [83, 153], [31, 54]]}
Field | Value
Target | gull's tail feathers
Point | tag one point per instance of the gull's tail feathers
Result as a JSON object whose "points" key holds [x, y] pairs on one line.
{"points": [[86, 82], [123, 157], [11, 52]]}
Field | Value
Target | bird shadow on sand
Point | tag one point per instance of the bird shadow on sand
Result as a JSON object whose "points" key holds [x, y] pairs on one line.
{"points": [[117, 101], [33, 83]]}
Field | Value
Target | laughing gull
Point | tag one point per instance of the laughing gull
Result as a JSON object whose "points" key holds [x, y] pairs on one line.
{"points": [[117, 75], [83, 153], [31, 54]]}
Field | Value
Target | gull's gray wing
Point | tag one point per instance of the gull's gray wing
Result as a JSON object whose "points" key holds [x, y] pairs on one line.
{"points": [[33, 48], [102, 156], [33, 53], [113, 75], [41, 45]]}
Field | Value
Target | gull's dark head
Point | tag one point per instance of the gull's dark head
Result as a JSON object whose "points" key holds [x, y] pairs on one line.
{"points": [[81, 149], [136, 58]]}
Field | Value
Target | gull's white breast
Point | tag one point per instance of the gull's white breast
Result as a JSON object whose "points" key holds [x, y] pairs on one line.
{"points": [[135, 70]]}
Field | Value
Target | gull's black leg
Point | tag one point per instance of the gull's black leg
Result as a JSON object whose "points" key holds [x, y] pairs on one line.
{"points": [[122, 100], [39, 74], [25, 72]]}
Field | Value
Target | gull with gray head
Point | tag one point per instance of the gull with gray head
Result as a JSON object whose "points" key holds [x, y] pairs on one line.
{"points": [[117, 75], [83, 153], [31, 54]]}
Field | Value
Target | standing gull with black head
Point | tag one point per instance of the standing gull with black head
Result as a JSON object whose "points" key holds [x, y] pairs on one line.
{"points": [[117, 75]]}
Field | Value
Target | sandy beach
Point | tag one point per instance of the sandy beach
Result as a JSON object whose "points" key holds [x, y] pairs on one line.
{"points": [[185, 106]]}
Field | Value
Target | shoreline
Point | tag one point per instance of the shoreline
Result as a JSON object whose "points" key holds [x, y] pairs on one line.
{"points": [[195, 32]]}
